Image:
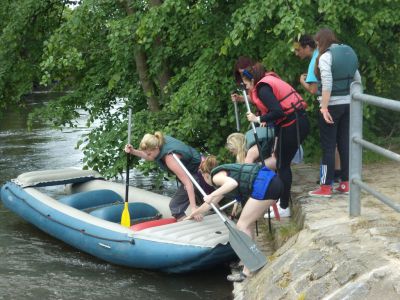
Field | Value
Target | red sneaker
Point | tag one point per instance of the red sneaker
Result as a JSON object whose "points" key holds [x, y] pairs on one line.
{"points": [[322, 191], [343, 187]]}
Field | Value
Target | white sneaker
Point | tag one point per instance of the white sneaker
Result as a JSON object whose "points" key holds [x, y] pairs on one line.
{"points": [[283, 213]]}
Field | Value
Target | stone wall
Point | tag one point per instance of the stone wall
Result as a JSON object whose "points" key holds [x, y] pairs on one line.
{"points": [[333, 256]]}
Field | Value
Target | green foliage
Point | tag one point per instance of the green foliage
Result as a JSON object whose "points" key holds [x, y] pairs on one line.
{"points": [[92, 52], [25, 26]]}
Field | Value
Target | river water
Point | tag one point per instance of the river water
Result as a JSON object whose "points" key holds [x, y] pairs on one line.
{"points": [[34, 265]]}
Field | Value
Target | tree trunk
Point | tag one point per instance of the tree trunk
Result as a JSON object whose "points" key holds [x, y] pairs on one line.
{"points": [[143, 71], [165, 75], [147, 85]]}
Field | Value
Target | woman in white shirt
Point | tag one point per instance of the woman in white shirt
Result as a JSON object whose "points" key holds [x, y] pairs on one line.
{"points": [[336, 68]]}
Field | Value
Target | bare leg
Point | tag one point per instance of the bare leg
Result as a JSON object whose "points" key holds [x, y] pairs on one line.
{"points": [[251, 212]]}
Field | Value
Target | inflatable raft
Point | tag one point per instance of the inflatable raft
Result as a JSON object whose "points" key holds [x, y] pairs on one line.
{"points": [[88, 218]]}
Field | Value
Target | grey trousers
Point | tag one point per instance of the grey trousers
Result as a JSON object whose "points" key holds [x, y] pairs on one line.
{"points": [[180, 200]]}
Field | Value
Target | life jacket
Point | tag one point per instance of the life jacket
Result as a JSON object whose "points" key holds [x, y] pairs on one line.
{"points": [[191, 158], [289, 99], [266, 137], [244, 174], [344, 66]]}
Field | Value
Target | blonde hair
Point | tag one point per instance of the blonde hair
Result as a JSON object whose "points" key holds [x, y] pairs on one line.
{"points": [[152, 141], [209, 163], [236, 143]]}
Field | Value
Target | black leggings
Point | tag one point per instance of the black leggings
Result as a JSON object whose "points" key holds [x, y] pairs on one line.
{"points": [[287, 146], [330, 135]]}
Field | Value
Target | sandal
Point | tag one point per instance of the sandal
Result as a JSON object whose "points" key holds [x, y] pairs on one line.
{"points": [[238, 277]]}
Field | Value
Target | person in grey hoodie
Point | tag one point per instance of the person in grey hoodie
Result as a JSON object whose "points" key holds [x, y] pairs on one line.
{"points": [[336, 68]]}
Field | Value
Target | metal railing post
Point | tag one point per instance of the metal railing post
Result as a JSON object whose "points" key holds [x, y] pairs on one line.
{"points": [[355, 168]]}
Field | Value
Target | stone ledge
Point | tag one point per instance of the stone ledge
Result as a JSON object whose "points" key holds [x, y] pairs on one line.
{"points": [[333, 256]]}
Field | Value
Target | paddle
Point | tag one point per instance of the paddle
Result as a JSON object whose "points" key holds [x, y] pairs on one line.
{"points": [[253, 126], [126, 218], [237, 116], [240, 242], [275, 208]]}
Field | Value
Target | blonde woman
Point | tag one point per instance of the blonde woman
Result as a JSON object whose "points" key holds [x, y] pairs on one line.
{"points": [[255, 186], [159, 148], [245, 149]]}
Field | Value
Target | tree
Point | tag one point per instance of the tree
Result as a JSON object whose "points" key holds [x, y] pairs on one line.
{"points": [[171, 61], [25, 26]]}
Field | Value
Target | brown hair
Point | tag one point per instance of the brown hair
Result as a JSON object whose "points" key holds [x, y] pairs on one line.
{"points": [[152, 141], [325, 38], [241, 63], [209, 163], [257, 72]]}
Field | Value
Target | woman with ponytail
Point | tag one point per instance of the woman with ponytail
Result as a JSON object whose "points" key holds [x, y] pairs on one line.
{"points": [[255, 186], [159, 148]]}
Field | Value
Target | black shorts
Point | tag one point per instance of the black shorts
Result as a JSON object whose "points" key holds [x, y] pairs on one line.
{"points": [[275, 189]]}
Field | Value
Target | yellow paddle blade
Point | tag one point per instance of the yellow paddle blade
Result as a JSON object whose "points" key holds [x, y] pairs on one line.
{"points": [[126, 218]]}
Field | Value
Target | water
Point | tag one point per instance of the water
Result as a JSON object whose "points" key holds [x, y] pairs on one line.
{"points": [[34, 265]]}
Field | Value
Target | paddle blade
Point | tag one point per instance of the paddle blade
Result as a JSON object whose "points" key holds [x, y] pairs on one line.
{"points": [[246, 249], [126, 218]]}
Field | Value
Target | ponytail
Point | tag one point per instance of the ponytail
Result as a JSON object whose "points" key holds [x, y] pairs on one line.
{"points": [[209, 163], [152, 141]]}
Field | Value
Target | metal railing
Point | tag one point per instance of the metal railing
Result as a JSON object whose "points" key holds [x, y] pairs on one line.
{"points": [[357, 143]]}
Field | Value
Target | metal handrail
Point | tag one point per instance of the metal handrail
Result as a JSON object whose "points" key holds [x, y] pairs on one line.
{"points": [[357, 143]]}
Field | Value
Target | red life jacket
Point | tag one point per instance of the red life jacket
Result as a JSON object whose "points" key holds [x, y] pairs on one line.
{"points": [[287, 96]]}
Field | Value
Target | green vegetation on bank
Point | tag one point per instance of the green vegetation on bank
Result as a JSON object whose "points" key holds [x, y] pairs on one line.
{"points": [[171, 61]]}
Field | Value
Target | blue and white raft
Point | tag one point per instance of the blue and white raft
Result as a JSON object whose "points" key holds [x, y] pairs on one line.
{"points": [[88, 218]]}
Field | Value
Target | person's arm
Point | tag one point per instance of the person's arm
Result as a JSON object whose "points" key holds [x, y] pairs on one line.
{"points": [[325, 68], [309, 81], [269, 100], [310, 87], [313, 88], [129, 149], [173, 165], [226, 184], [237, 98]]}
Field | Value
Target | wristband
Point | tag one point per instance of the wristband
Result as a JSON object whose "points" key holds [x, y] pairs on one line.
{"points": [[323, 110]]}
